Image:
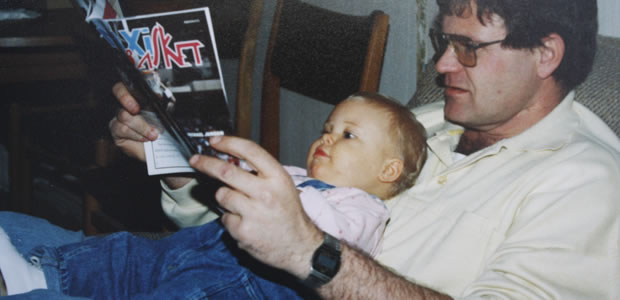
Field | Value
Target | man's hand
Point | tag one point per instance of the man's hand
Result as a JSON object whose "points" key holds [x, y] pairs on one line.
{"points": [[264, 214]]}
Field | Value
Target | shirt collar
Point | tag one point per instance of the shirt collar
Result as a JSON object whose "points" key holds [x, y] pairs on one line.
{"points": [[551, 133]]}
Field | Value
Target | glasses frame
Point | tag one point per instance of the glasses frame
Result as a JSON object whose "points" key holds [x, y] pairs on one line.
{"points": [[463, 46]]}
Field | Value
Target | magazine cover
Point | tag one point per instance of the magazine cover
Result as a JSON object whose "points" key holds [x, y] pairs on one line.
{"points": [[170, 64]]}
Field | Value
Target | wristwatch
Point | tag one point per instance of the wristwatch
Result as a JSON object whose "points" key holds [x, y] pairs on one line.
{"points": [[325, 262]]}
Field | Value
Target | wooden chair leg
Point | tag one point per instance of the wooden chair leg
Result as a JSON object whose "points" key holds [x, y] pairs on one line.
{"points": [[90, 205], [14, 155], [19, 164], [26, 180]]}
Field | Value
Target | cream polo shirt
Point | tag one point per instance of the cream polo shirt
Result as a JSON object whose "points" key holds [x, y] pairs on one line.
{"points": [[536, 216]]}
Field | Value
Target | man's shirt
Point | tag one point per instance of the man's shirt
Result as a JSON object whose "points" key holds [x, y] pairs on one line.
{"points": [[533, 216]]}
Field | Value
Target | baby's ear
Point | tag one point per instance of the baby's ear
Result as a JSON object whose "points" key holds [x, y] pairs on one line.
{"points": [[392, 168]]}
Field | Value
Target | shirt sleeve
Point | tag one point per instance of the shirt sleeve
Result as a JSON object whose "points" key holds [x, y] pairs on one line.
{"points": [[348, 214], [182, 208]]}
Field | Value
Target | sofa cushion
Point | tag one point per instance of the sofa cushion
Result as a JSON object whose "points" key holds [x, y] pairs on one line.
{"points": [[600, 92]]}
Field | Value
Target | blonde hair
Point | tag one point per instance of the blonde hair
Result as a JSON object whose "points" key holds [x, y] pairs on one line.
{"points": [[410, 137]]}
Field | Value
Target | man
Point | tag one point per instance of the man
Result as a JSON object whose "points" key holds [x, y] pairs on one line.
{"points": [[518, 199]]}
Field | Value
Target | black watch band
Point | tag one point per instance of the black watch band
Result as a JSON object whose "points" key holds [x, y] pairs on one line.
{"points": [[325, 262]]}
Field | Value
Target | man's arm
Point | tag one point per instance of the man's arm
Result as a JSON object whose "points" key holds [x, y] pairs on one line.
{"points": [[266, 218], [360, 277]]}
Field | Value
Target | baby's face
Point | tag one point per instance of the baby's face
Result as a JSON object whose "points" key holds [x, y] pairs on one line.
{"points": [[355, 143]]}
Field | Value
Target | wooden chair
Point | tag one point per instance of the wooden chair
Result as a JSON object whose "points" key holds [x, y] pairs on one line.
{"points": [[321, 54]]}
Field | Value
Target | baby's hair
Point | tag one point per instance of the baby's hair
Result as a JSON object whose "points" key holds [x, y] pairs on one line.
{"points": [[410, 136]]}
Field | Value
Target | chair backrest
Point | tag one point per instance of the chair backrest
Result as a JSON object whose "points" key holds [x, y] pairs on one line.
{"points": [[321, 54], [235, 25]]}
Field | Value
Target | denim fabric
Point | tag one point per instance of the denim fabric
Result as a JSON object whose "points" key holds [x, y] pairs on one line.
{"points": [[194, 263], [42, 294], [27, 232]]}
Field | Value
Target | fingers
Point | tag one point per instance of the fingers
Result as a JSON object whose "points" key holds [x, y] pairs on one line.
{"points": [[131, 127], [235, 177], [253, 154], [123, 96], [224, 196]]}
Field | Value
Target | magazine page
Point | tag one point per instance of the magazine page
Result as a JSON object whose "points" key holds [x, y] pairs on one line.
{"points": [[177, 53], [100, 9], [170, 64]]}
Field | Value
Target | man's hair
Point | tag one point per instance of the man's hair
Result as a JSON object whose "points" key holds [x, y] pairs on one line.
{"points": [[529, 21], [409, 136]]}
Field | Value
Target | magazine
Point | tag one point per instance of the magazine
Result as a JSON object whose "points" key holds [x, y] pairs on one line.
{"points": [[170, 64]]}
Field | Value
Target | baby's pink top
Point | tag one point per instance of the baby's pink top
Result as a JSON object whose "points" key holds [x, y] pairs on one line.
{"points": [[347, 213]]}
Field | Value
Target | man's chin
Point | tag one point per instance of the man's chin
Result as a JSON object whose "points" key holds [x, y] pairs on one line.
{"points": [[454, 114]]}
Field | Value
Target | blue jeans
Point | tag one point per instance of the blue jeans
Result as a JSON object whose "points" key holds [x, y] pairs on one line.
{"points": [[195, 263], [27, 232]]}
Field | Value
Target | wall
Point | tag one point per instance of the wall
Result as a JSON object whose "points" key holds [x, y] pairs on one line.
{"points": [[609, 17]]}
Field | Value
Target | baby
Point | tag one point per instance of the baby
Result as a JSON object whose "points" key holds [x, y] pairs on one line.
{"points": [[371, 148]]}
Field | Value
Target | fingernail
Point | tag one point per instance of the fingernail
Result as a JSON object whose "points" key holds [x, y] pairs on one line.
{"points": [[152, 135], [193, 159], [132, 107], [215, 139]]}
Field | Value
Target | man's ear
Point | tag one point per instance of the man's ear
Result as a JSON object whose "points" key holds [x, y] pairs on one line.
{"points": [[550, 54], [392, 168]]}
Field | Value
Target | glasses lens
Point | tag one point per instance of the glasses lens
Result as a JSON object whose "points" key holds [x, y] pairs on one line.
{"points": [[465, 54], [439, 41]]}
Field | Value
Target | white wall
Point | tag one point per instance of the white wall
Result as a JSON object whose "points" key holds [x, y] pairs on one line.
{"points": [[609, 17]]}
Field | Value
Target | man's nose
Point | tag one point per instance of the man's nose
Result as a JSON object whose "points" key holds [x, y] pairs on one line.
{"points": [[448, 61]]}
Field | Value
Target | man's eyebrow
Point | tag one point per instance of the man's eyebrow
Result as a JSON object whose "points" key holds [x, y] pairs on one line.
{"points": [[461, 37]]}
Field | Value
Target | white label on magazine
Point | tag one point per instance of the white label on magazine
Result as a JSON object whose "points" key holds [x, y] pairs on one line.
{"points": [[163, 156]]}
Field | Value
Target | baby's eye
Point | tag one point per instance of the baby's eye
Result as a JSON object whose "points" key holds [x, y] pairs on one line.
{"points": [[348, 135]]}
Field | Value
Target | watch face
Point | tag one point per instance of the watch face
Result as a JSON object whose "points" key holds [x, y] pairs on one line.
{"points": [[326, 261]]}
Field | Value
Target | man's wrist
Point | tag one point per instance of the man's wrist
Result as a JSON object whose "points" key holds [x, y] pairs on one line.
{"points": [[325, 262], [298, 261]]}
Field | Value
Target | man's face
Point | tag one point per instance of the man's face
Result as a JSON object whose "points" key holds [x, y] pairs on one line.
{"points": [[355, 143], [494, 95]]}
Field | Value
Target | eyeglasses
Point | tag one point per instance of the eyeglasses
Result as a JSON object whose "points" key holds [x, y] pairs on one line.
{"points": [[464, 47]]}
